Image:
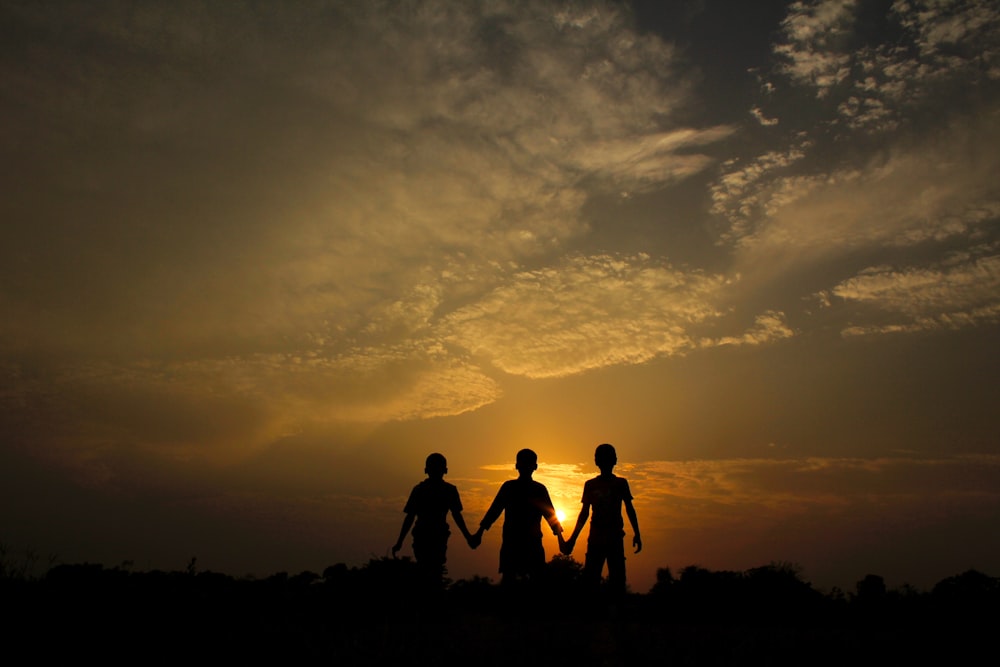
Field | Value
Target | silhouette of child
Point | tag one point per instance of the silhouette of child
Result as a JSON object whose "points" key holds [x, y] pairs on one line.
{"points": [[524, 503], [428, 505], [605, 493]]}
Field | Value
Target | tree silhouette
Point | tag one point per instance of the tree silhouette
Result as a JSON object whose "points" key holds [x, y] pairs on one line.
{"points": [[382, 612]]}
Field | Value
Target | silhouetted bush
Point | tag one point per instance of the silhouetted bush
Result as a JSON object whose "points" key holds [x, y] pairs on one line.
{"points": [[970, 599], [390, 610]]}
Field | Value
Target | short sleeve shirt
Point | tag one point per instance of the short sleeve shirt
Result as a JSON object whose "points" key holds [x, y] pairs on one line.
{"points": [[605, 494], [430, 501], [524, 503]]}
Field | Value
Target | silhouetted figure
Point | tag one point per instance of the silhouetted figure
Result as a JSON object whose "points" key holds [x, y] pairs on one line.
{"points": [[428, 505], [605, 494], [524, 503]]}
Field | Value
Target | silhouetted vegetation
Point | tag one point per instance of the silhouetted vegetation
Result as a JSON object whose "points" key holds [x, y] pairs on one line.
{"points": [[388, 610]]}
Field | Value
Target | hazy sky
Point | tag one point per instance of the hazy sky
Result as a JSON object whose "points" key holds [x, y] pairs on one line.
{"points": [[257, 260]]}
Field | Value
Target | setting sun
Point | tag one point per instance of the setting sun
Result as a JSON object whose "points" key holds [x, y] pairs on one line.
{"points": [[561, 516]]}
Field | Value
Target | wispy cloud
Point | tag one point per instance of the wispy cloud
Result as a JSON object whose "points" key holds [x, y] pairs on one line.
{"points": [[347, 195], [815, 36], [940, 191], [767, 327], [963, 293], [740, 193], [587, 313], [931, 180], [761, 118], [649, 161], [827, 46]]}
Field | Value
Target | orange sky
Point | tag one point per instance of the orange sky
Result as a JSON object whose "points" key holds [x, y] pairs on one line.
{"points": [[256, 264]]}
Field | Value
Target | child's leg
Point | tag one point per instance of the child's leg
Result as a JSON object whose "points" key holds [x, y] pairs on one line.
{"points": [[431, 554], [616, 565], [593, 563]]}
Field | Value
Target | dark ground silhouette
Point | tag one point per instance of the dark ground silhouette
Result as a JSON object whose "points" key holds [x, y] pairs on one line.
{"points": [[385, 611]]}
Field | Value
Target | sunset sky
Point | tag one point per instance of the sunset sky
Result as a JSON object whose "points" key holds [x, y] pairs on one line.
{"points": [[258, 259]]}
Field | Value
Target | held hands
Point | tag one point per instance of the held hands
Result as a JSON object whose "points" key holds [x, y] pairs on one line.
{"points": [[566, 547], [475, 539]]}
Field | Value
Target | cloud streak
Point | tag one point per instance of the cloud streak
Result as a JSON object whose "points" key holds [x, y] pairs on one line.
{"points": [[958, 295], [588, 313]]}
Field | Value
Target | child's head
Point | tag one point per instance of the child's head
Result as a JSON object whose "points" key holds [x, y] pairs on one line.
{"points": [[527, 461], [605, 457], [436, 465]]}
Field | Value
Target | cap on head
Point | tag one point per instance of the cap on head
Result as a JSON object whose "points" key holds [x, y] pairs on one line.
{"points": [[526, 460], [436, 464], [605, 455]]}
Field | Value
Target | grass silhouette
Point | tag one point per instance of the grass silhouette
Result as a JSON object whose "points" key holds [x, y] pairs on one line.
{"points": [[387, 610]]}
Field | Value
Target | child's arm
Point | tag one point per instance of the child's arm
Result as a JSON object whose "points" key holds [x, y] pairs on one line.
{"points": [[460, 522], [581, 521], [492, 514], [634, 520], [407, 524], [549, 512]]}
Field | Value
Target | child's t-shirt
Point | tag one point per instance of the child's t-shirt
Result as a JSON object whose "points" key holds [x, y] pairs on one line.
{"points": [[605, 495], [524, 503], [431, 500]]}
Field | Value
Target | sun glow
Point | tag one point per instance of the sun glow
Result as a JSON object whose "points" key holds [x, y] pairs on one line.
{"points": [[561, 516]]}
